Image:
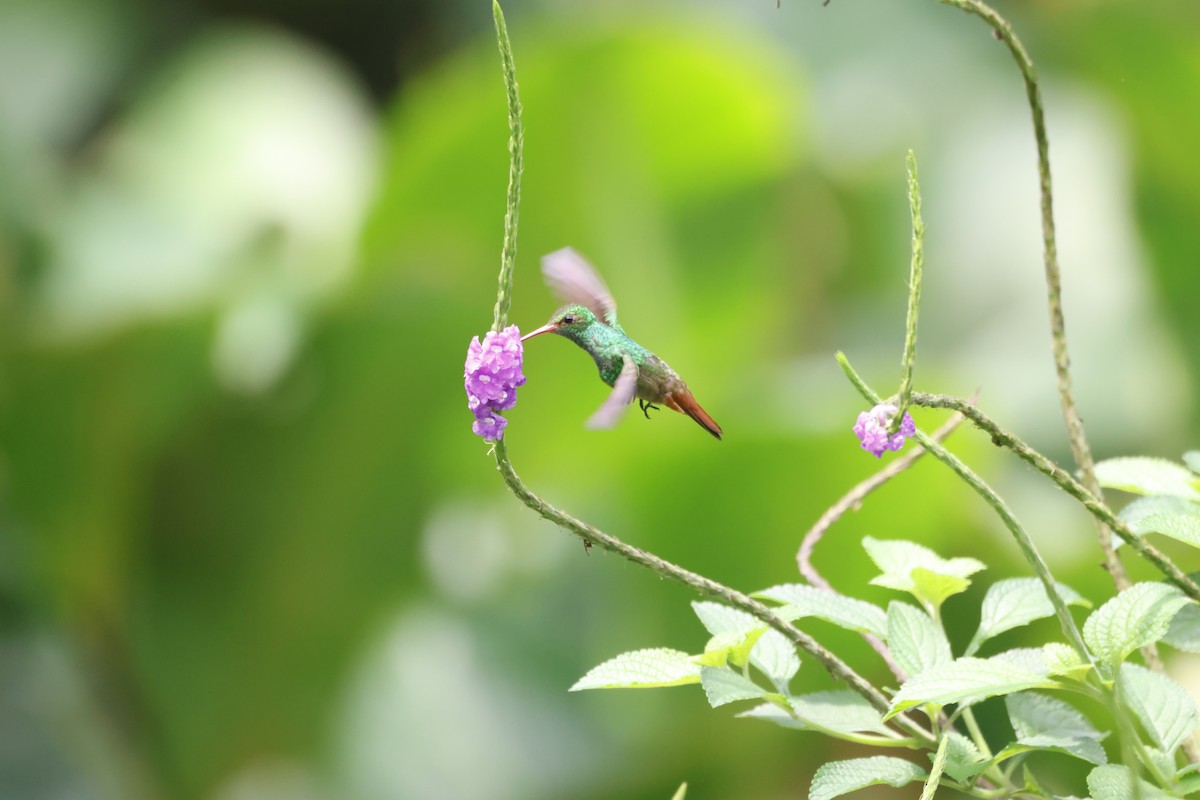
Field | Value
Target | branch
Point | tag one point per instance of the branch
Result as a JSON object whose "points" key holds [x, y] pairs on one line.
{"points": [[1058, 332], [850, 500], [592, 535], [1091, 502], [1070, 629]]}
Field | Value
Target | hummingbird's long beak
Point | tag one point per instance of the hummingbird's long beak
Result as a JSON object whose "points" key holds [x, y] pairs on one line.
{"points": [[549, 327]]}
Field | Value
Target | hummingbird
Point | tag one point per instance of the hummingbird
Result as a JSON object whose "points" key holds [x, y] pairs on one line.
{"points": [[589, 319]]}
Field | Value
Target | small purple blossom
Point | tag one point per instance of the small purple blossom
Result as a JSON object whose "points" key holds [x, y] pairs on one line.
{"points": [[491, 376], [872, 429]]}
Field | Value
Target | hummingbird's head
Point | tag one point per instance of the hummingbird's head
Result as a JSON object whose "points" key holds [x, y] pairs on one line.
{"points": [[568, 321]]}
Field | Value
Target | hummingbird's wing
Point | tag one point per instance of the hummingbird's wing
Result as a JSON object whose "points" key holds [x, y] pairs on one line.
{"points": [[574, 280], [624, 389]]}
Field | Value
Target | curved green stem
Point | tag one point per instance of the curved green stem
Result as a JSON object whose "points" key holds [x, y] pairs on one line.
{"points": [[1091, 502], [592, 535], [839, 669], [914, 294], [516, 144], [1058, 331], [1070, 629]]}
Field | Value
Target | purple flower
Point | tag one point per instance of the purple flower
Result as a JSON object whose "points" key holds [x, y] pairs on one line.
{"points": [[872, 429], [491, 377]]}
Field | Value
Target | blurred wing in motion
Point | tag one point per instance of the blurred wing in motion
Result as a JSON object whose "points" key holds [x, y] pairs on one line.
{"points": [[574, 280], [624, 389]]}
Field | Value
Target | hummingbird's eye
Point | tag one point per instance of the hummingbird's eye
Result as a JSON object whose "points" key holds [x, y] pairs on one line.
{"points": [[568, 320]]}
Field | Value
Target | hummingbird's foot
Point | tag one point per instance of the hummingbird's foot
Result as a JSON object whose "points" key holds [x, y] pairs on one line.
{"points": [[646, 407]]}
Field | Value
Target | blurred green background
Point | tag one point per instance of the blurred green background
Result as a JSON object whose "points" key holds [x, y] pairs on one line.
{"points": [[249, 548]]}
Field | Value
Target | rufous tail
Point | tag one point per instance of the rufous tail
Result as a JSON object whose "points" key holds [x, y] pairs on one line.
{"points": [[684, 403]]}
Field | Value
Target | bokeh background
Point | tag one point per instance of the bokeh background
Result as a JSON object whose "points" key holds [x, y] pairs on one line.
{"points": [[249, 548]]}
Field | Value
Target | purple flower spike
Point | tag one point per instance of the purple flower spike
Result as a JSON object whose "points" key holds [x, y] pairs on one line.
{"points": [[491, 377], [872, 427]]}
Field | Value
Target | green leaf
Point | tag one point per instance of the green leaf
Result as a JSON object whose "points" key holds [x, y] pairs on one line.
{"points": [[1062, 659], [772, 654], [837, 778], [1163, 707], [1036, 714], [641, 669], [1029, 659], [852, 614], [898, 558], [1184, 630], [1143, 475], [933, 588], [1088, 750], [963, 759], [729, 648], [1192, 459], [1136, 617], [839, 711], [1014, 602], [1170, 516], [1188, 785], [680, 793], [965, 679], [723, 686], [1042, 722], [916, 641], [1115, 782]]}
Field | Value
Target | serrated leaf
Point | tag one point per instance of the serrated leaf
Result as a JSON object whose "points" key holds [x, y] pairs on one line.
{"points": [[839, 711], [723, 686], [1184, 631], [772, 712], [897, 559], [729, 648], [1144, 475], [1029, 659], [641, 669], [1163, 707], [837, 778], [1140, 508], [933, 589], [1192, 459], [963, 759], [1176, 517], [850, 613], [719, 618], [1037, 714], [1115, 782], [1088, 750], [1188, 785], [916, 641], [965, 679], [1136, 617], [772, 654], [1062, 659], [1013, 602]]}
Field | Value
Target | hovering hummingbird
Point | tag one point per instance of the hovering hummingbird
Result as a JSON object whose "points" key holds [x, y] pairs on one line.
{"points": [[590, 320]]}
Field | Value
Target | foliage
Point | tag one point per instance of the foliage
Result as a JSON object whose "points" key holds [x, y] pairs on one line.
{"points": [[754, 649]]}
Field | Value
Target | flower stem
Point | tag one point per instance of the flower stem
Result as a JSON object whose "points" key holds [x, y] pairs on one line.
{"points": [[592, 535], [914, 294], [1058, 332], [1091, 502], [1070, 629], [516, 143], [848, 501], [935, 773]]}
